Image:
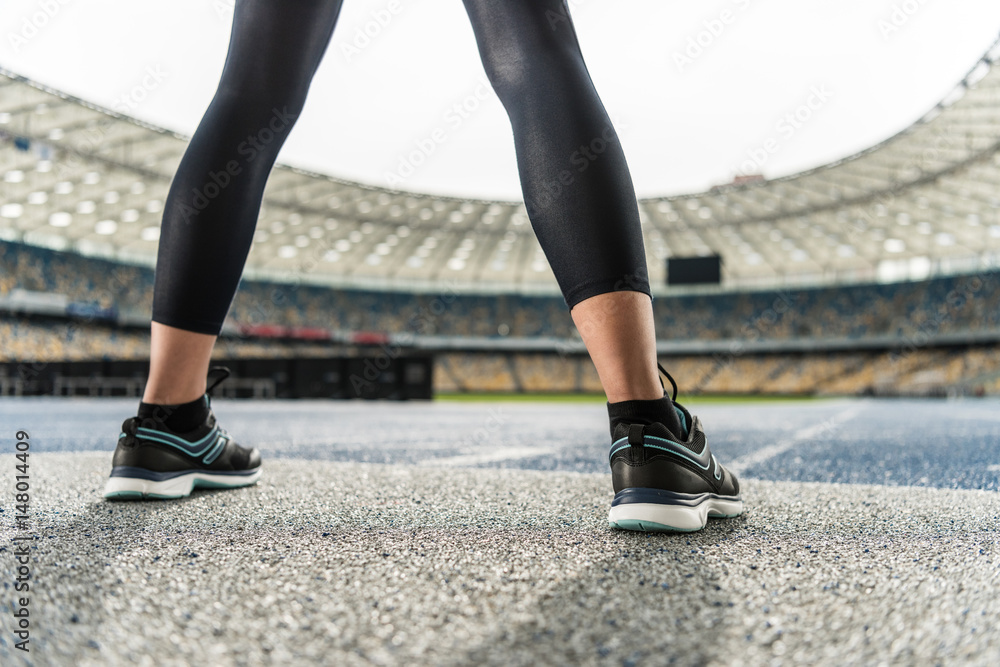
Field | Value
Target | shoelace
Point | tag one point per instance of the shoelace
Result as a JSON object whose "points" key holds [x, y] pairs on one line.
{"points": [[215, 370], [669, 377], [637, 432]]}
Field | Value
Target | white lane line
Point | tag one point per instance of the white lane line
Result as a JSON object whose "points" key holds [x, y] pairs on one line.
{"points": [[739, 465], [504, 454]]}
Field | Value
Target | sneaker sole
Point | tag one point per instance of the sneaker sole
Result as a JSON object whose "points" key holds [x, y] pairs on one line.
{"points": [[661, 517], [137, 488]]}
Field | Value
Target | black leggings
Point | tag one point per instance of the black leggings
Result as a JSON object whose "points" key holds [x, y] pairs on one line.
{"points": [[576, 184]]}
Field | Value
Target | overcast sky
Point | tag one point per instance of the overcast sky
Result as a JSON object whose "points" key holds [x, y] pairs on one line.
{"points": [[696, 89]]}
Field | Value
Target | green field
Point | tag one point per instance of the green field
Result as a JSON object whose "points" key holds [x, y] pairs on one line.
{"points": [[599, 398]]}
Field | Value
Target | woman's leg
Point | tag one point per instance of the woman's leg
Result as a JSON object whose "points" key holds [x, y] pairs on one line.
{"points": [[178, 364], [582, 206], [576, 185], [213, 203], [617, 328]]}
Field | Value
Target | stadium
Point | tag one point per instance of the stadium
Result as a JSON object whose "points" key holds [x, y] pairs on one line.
{"points": [[869, 285], [339, 267]]}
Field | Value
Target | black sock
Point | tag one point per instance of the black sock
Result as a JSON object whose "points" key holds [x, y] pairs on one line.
{"points": [[179, 418], [659, 410]]}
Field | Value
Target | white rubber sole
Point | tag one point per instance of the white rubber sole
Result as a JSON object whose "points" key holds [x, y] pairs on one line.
{"points": [[671, 518], [177, 487]]}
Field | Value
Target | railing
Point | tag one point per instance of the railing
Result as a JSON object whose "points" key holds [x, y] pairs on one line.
{"points": [[11, 386], [97, 386], [133, 387]]}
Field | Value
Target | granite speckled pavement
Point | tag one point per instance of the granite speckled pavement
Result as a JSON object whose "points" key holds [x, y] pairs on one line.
{"points": [[476, 533]]}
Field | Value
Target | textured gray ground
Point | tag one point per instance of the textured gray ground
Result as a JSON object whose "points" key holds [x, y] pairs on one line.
{"points": [[341, 562]]}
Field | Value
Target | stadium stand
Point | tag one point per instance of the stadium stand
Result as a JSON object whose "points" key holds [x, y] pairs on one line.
{"points": [[877, 273], [941, 305], [922, 337], [919, 204]]}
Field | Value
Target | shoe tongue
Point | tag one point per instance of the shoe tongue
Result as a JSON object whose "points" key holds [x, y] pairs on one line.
{"points": [[684, 421]]}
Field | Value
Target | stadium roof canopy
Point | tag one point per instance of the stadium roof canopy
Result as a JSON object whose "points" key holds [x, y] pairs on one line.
{"points": [[926, 201]]}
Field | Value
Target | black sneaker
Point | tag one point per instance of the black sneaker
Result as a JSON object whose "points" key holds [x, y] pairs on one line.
{"points": [[152, 461], [668, 482]]}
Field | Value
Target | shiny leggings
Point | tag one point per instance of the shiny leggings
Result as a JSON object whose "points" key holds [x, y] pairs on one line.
{"points": [[574, 178]]}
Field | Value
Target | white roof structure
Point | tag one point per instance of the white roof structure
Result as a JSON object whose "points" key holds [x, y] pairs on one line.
{"points": [[926, 201]]}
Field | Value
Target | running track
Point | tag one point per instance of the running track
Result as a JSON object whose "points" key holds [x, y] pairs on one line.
{"points": [[475, 533]]}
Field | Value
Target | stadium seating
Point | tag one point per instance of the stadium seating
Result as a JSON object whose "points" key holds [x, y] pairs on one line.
{"points": [[909, 312], [942, 305], [969, 370]]}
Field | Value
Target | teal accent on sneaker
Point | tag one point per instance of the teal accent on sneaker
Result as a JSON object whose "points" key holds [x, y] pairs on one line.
{"points": [[197, 448], [649, 527], [684, 424], [124, 494]]}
